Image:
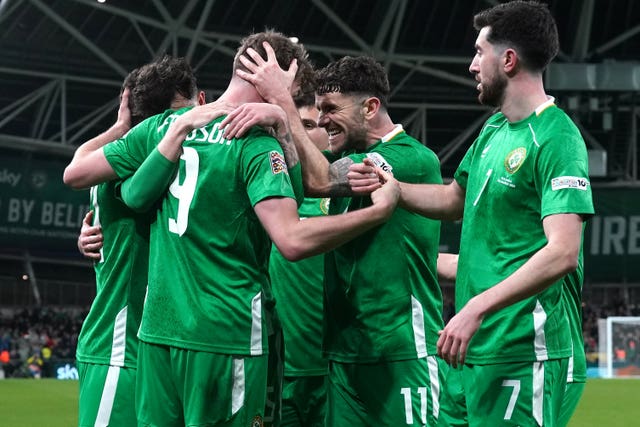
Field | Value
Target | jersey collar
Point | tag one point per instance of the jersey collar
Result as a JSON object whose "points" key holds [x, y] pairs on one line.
{"points": [[396, 130], [548, 103]]}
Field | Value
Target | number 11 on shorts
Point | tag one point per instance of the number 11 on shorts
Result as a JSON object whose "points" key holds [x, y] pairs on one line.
{"points": [[408, 406]]}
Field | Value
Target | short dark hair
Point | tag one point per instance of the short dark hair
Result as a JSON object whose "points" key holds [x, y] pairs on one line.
{"points": [[286, 50], [306, 99], [129, 83], [361, 75], [527, 26], [155, 85], [130, 80]]}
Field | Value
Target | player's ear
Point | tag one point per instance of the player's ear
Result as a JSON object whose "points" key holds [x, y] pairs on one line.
{"points": [[202, 99], [371, 106], [511, 61]]}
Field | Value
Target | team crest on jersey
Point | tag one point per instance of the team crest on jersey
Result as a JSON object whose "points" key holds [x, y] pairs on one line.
{"points": [[380, 162], [278, 165], [257, 422], [515, 159], [324, 205]]}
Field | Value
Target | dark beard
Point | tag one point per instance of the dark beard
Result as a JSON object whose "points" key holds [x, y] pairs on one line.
{"points": [[493, 94], [358, 138]]}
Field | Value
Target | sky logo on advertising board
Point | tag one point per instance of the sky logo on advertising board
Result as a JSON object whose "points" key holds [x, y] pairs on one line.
{"points": [[576, 182], [67, 372], [8, 177]]}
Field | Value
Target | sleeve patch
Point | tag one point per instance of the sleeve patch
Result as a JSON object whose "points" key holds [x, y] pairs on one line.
{"points": [[564, 182], [380, 162], [278, 165]]}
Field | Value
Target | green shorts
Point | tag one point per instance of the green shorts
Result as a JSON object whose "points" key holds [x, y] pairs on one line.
{"points": [[453, 406], [275, 370], [572, 396], [304, 401], [178, 387], [396, 393], [106, 395], [524, 394]]}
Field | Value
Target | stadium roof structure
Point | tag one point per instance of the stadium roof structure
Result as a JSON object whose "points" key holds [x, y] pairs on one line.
{"points": [[63, 62]]}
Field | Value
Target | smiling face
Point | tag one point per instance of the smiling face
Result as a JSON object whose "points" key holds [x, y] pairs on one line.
{"points": [[486, 68], [342, 116]]}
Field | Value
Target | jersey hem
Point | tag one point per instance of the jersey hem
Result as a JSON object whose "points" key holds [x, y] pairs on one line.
{"points": [[306, 372], [374, 359], [470, 360], [105, 361], [244, 351]]}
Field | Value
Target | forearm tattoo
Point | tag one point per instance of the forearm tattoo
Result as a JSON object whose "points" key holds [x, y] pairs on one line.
{"points": [[338, 177], [289, 149]]}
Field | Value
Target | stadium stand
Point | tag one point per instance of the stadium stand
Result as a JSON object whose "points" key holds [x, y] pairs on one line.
{"points": [[63, 63]]}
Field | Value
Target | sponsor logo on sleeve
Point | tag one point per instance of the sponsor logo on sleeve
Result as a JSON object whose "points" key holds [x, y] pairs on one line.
{"points": [[380, 162], [563, 182], [278, 165]]}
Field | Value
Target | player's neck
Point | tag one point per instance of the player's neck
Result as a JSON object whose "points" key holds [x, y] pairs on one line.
{"points": [[240, 92], [522, 97], [180, 101], [380, 126]]}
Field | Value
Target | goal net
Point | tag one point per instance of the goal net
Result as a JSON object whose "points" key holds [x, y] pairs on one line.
{"points": [[618, 342]]}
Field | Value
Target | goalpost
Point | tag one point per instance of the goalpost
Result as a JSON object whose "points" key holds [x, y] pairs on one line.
{"points": [[619, 346]]}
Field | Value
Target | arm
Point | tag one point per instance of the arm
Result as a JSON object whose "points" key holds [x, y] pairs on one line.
{"points": [[171, 145], [274, 85], [90, 240], [239, 121], [141, 190], [556, 259], [89, 166], [447, 266], [297, 239], [437, 201]]}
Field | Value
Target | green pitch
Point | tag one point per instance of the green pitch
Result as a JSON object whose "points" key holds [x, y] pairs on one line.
{"points": [[610, 403], [54, 403], [39, 403]]}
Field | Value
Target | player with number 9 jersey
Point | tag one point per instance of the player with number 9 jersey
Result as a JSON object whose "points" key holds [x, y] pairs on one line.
{"points": [[207, 271]]}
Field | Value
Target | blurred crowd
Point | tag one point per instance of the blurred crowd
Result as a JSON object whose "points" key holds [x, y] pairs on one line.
{"points": [[626, 336], [33, 340]]}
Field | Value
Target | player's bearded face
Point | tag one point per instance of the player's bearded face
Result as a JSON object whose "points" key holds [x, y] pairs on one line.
{"points": [[357, 132], [492, 89], [486, 69], [343, 118]]}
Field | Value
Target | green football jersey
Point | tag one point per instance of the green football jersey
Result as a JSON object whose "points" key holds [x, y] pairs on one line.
{"points": [[208, 250], [572, 297], [515, 174], [109, 332], [298, 289], [382, 297]]}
